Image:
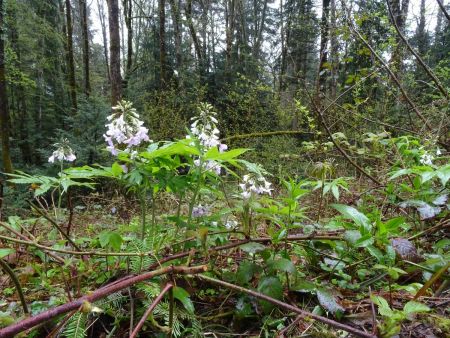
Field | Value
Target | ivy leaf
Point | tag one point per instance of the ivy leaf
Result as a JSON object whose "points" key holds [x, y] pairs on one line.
{"points": [[183, 296], [270, 286], [349, 212]]}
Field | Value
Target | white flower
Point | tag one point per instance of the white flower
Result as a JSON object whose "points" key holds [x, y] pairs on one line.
{"points": [[63, 152], [426, 159], [258, 185], [124, 128], [438, 152], [230, 225]]}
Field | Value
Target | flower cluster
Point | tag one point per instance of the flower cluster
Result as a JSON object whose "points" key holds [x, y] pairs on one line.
{"points": [[199, 211], [125, 129], [254, 184], [63, 152], [204, 127], [426, 159]]}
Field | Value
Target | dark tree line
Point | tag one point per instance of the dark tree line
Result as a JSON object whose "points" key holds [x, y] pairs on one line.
{"points": [[254, 60]]}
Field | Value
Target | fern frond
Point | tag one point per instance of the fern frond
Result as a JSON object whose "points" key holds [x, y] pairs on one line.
{"points": [[76, 326]]}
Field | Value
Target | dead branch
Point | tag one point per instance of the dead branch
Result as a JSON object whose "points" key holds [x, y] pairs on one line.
{"points": [[150, 309], [289, 307], [45, 316]]}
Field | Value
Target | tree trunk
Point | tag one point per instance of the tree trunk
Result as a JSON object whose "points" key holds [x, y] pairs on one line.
{"points": [[101, 15], [334, 48], [114, 51], [198, 50], [85, 45], [259, 28], [230, 22], [4, 113], [127, 13], [162, 43], [400, 12], [324, 36], [70, 59], [176, 18]]}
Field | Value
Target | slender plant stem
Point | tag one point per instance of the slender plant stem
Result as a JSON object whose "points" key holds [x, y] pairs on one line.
{"points": [[150, 310], [16, 282]]}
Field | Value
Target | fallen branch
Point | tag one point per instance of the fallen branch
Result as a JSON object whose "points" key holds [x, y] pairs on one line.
{"points": [[289, 307], [29, 242], [45, 316], [150, 309]]}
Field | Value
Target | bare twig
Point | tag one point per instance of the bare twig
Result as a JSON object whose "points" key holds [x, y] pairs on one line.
{"points": [[338, 147], [380, 59], [416, 55], [42, 317], [289, 307], [150, 309], [442, 7], [55, 224]]}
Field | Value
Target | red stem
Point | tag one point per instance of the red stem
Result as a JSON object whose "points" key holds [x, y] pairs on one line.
{"points": [[150, 309]]}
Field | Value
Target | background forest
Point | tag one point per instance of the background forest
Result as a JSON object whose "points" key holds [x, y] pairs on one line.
{"points": [[343, 101]]}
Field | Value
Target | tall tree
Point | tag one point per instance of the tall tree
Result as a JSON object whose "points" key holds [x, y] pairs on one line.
{"points": [[4, 112], [324, 37], [176, 18], [85, 46], [400, 12], [70, 58], [114, 51], [102, 19], [128, 18], [162, 43]]}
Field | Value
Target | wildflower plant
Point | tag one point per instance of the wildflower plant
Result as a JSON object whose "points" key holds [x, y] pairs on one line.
{"points": [[62, 153], [125, 129]]}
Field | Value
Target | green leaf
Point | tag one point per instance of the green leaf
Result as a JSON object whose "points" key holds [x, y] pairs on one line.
{"points": [[183, 296], [270, 286], [415, 307], [112, 239], [246, 271], [444, 174], [252, 247], [282, 264], [400, 172], [214, 155], [375, 252], [116, 169], [5, 252], [304, 286], [328, 302], [383, 306], [352, 213]]}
